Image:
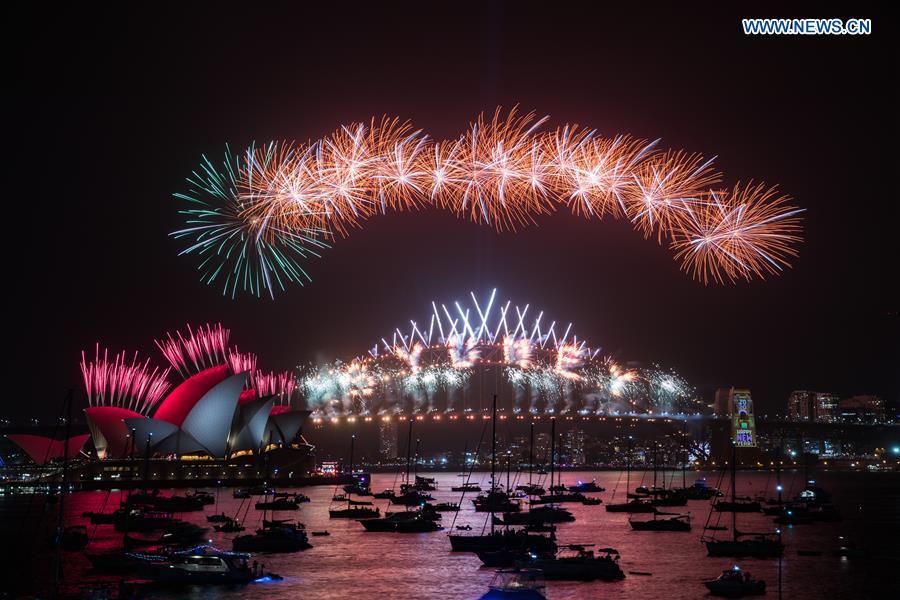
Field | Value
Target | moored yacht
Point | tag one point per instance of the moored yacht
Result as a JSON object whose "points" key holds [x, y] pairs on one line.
{"points": [[577, 563], [676, 523], [274, 537], [733, 584], [202, 565]]}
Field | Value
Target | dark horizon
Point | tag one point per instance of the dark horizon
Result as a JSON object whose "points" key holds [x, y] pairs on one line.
{"points": [[113, 110]]}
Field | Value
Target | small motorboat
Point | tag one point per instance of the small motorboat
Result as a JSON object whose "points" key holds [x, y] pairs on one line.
{"points": [[560, 496], [592, 501], [586, 486], [732, 583], [507, 557], [385, 495], [539, 515], [425, 484], [279, 504], [531, 489], [273, 537], [240, 494], [402, 522], [466, 487], [354, 512], [495, 501], [633, 506], [577, 563], [446, 507], [516, 583], [320, 533], [202, 565], [676, 523]]}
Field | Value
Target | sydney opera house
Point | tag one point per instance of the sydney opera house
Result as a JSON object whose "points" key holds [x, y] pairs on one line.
{"points": [[224, 421]]}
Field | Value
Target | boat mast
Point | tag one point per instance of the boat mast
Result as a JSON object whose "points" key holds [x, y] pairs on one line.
{"points": [[408, 449], [352, 440], [493, 458], [508, 469], [684, 458], [778, 474], [552, 450], [628, 470], [530, 455], [416, 462], [734, 490]]}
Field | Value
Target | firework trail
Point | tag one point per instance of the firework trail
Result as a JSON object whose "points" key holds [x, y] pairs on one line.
{"points": [[243, 362], [197, 350], [254, 219], [132, 385], [281, 386]]}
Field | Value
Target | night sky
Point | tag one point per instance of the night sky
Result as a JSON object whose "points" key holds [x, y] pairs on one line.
{"points": [[109, 111]]}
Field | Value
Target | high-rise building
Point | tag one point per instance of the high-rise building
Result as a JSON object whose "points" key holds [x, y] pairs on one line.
{"points": [[573, 447], [802, 405], [387, 439], [826, 407], [542, 448], [743, 422]]}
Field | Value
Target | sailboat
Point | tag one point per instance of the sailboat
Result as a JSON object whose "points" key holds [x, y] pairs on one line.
{"points": [[531, 488], [760, 545], [636, 505], [546, 514], [498, 540], [356, 509], [496, 500], [422, 520]]}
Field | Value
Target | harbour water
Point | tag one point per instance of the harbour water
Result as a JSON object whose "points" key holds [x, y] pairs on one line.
{"points": [[353, 563]]}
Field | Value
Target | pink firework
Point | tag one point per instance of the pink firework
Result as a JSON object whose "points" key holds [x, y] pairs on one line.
{"points": [[198, 350], [241, 362], [280, 385], [122, 383]]}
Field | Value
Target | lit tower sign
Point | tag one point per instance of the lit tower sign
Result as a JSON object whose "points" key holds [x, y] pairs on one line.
{"points": [[743, 425]]}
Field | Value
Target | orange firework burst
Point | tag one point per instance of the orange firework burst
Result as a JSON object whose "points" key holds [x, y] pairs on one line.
{"points": [[597, 173], [665, 187], [743, 233], [495, 169], [256, 216], [278, 193]]}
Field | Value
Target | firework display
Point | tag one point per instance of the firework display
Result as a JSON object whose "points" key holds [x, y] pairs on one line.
{"points": [[467, 352], [200, 349], [254, 219], [122, 383], [281, 386], [118, 382]]}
